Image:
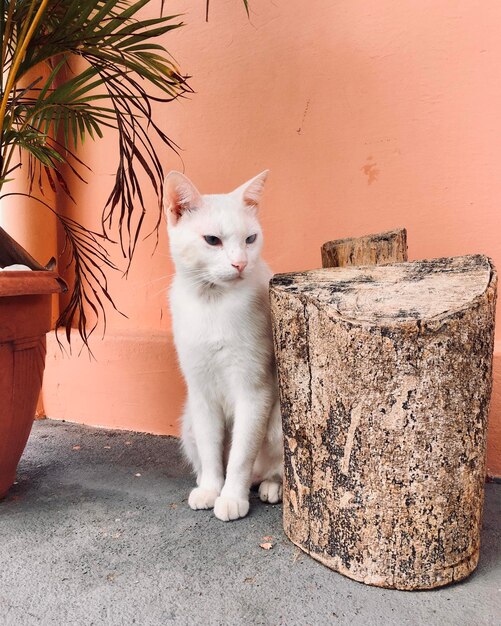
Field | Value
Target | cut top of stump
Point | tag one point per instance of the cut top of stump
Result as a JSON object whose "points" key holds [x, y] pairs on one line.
{"points": [[395, 293]]}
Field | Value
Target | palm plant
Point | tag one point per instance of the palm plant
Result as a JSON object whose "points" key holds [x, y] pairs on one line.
{"points": [[68, 70]]}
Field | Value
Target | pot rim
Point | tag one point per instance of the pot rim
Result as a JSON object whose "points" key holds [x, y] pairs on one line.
{"points": [[31, 282]]}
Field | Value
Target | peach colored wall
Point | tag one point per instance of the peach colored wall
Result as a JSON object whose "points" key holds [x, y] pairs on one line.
{"points": [[370, 115]]}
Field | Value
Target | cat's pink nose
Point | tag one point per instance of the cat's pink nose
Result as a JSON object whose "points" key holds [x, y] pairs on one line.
{"points": [[240, 265]]}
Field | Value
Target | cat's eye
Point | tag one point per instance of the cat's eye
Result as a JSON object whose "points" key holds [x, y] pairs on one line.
{"points": [[212, 240], [251, 239]]}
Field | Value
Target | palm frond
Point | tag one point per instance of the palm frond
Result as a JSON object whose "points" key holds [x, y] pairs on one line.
{"points": [[104, 66], [246, 5], [96, 64], [85, 251]]}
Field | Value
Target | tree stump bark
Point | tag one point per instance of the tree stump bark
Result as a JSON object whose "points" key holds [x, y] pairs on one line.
{"points": [[385, 382], [380, 249]]}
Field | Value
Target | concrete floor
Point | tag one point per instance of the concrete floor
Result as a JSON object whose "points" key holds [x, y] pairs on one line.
{"points": [[98, 531]]}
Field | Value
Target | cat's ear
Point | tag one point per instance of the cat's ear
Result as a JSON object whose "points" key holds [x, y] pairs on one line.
{"points": [[252, 190], [180, 195]]}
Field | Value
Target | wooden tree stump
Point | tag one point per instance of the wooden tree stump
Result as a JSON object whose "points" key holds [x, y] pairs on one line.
{"points": [[379, 249], [385, 382]]}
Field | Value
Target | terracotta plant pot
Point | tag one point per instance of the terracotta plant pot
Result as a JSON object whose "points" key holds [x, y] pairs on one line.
{"points": [[25, 318]]}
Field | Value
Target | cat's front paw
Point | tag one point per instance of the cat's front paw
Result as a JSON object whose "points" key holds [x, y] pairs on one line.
{"points": [[202, 498], [227, 509], [270, 491]]}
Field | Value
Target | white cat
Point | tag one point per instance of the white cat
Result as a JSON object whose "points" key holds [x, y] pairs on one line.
{"points": [[231, 427]]}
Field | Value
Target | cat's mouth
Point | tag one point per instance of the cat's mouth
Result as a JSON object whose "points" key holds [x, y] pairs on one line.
{"points": [[221, 281]]}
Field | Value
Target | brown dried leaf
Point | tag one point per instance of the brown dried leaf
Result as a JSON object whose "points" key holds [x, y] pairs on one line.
{"points": [[266, 546], [297, 554]]}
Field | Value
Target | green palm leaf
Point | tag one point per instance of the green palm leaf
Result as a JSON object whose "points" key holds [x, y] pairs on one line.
{"points": [[97, 64]]}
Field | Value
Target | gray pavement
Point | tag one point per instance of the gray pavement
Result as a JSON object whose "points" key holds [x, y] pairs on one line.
{"points": [[98, 531]]}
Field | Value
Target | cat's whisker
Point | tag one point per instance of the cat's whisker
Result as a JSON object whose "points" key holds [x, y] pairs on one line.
{"points": [[157, 293], [192, 272], [154, 280], [195, 279], [166, 276]]}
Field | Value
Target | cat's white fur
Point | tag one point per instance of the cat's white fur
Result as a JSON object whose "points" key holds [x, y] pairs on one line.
{"points": [[231, 427]]}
